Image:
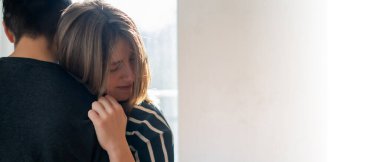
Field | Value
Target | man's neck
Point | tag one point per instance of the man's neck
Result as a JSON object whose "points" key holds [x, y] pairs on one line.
{"points": [[37, 48]]}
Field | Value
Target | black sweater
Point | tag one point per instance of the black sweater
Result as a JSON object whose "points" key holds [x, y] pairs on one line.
{"points": [[43, 114]]}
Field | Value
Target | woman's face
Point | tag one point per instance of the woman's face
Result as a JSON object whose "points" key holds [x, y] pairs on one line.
{"points": [[121, 71]]}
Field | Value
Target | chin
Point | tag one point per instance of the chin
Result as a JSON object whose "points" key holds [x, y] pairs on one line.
{"points": [[122, 98]]}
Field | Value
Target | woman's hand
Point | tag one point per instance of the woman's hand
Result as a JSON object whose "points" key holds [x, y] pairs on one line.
{"points": [[110, 124]]}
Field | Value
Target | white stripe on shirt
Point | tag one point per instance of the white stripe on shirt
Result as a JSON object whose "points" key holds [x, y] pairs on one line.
{"points": [[136, 153], [155, 130], [152, 112], [149, 145]]}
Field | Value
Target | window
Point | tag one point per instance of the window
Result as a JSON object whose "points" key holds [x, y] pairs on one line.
{"points": [[6, 47]]}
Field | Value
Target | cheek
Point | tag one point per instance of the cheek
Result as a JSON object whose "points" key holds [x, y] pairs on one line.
{"points": [[111, 82], [133, 73]]}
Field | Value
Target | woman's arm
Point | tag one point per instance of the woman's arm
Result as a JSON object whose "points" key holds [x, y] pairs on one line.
{"points": [[121, 154], [152, 136], [110, 124]]}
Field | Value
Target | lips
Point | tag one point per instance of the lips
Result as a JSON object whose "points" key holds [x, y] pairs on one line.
{"points": [[126, 87]]}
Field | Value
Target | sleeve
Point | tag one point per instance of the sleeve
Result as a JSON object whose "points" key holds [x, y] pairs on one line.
{"points": [[152, 148], [150, 138]]}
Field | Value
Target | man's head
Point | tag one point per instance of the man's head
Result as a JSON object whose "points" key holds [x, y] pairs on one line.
{"points": [[32, 18]]}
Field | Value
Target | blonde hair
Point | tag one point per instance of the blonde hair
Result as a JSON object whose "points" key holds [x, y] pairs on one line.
{"points": [[87, 33]]}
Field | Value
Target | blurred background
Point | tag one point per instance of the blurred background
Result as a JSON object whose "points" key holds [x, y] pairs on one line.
{"points": [[264, 81]]}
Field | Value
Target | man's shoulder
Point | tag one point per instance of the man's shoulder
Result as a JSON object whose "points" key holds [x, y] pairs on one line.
{"points": [[48, 103], [42, 84], [38, 75], [35, 72]]}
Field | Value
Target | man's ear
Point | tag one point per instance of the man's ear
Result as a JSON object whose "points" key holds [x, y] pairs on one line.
{"points": [[8, 33]]}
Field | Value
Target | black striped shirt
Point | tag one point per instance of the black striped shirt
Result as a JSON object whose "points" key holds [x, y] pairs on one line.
{"points": [[149, 135]]}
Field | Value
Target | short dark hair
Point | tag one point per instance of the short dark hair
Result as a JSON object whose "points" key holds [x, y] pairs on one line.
{"points": [[33, 17]]}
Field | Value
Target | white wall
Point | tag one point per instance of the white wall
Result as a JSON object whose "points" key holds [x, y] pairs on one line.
{"points": [[252, 80], [353, 40]]}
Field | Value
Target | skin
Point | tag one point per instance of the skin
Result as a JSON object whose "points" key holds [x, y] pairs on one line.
{"points": [[110, 123], [121, 77], [107, 114], [27, 47]]}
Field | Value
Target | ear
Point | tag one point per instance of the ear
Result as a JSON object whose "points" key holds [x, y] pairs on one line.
{"points": [[8, 33]]}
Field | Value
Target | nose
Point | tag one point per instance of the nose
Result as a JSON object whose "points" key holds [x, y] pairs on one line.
{"points": [[127, 72]]}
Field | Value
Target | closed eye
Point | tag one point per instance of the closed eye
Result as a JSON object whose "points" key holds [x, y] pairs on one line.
{"points": [[115, 67]]}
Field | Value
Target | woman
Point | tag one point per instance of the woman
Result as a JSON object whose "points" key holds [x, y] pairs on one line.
{"points": [[101, 47]]}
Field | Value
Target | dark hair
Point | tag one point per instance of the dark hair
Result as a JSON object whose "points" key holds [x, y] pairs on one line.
{"points": [[33, 17]]}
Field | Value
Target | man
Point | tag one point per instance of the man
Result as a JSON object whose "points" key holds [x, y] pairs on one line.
{"points": [[43, 109]]}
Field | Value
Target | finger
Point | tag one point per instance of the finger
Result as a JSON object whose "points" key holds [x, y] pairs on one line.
{"points": [[96, 106], [106, 104], [115, 104], [112, 101], [94, 116]]}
